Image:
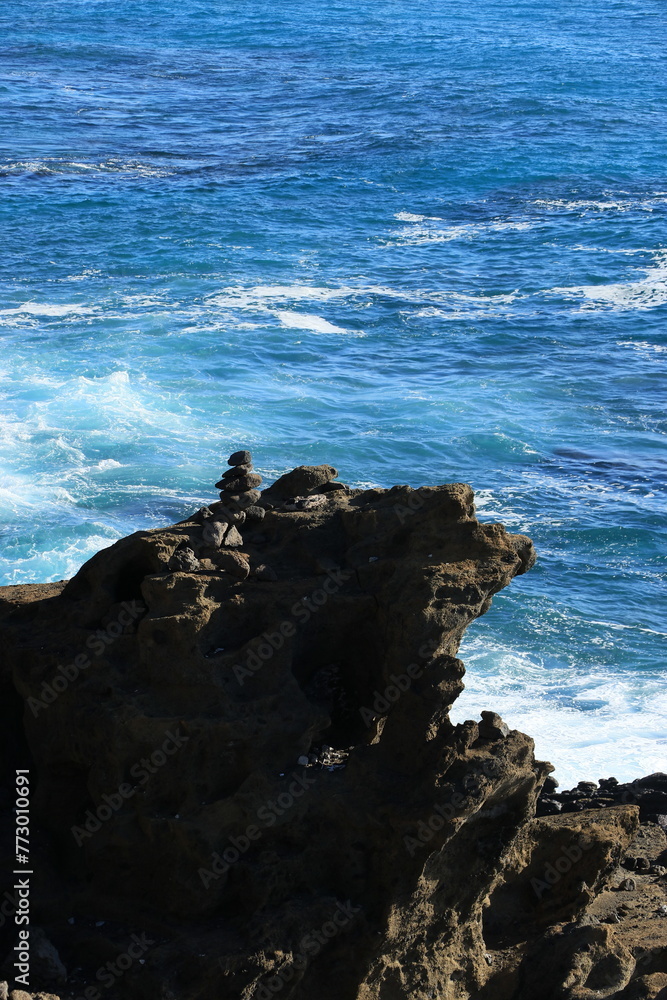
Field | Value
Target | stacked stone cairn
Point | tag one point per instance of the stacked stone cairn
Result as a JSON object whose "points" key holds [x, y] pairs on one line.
{"points": [[241, 503], [221, 538]]}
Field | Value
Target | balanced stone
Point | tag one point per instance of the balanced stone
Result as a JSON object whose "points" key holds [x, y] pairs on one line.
{"points": [[240, 458], [243, 500], [237, 470], [239, 485]]}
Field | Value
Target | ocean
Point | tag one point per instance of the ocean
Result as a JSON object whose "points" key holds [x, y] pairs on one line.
{"points": [[424, 242]]}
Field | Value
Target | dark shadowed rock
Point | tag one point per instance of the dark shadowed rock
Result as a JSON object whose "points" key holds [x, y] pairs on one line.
{"points": [[236, 471], [240, 458], [306, 779], [239, 484], [300, 481]]}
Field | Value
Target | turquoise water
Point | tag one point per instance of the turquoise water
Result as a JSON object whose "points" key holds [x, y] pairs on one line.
{"points": [[424, 242]]}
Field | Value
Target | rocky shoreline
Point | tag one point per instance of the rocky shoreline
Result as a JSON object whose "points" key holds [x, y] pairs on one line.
{"points": [[245, 782]]}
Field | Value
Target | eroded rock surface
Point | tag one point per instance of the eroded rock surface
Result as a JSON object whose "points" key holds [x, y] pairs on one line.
{"points": [[248, 784]]}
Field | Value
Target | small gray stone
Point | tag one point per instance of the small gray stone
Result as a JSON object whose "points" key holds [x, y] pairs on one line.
{"points": [[306, 503], [233, 539], [628, 885], [240, 458], [265, 572], [214, 533], [303, 761], [184, 561], [254, 513]]}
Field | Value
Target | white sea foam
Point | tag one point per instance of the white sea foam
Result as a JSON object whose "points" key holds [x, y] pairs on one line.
{"points": [[648, 292], [49, 166], [106, 464], [589, 725], [409, 217], [643, 347], [416, 234], [49, 309], [614, 204], [263, 297], [306, 321]]}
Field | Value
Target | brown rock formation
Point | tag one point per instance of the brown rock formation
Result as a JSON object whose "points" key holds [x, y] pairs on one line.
{"points": [[250, 787]]}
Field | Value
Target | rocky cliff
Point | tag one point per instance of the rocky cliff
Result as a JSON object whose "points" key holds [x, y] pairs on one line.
{"points": [[246, 784]]}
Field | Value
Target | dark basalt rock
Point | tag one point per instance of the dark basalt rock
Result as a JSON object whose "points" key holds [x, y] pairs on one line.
{"points": [[299, 815], [300, 481], [649, 793], [240, 458]]}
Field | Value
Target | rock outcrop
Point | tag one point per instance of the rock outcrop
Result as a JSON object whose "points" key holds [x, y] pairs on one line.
{"points": [[246, 781]]}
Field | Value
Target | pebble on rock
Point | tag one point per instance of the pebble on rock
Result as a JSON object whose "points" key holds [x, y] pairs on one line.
{"points": [[240, 458], [306, 503], [628, 885]]}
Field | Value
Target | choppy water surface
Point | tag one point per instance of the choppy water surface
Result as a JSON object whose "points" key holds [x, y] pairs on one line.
{"points": [[424, 242]]}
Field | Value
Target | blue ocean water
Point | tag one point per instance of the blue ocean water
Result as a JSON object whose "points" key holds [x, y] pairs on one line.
{"points": [[422, 241]]}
